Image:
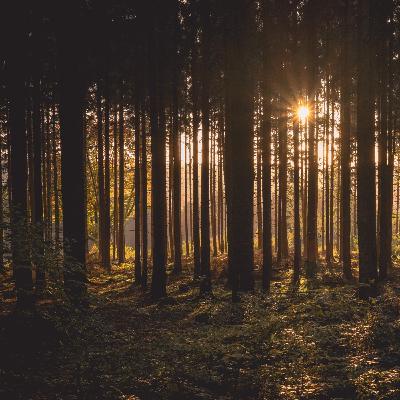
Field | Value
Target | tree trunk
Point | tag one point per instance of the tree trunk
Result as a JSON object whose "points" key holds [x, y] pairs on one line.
{"points": [[312, 203], [115, 191], [266, 133], [240, 144], [345, 126], [138, 264], [177, 177], [121, 192], [196, 123], [366, 148], [72, 93], [100, 173], [296, 203], [144, 198], [18, 168], [205, 167], [37, 219], [55, 183], [158, 162], [106, 214]]}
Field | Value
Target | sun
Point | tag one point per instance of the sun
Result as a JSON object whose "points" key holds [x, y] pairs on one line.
{"points": [[303, 113]]}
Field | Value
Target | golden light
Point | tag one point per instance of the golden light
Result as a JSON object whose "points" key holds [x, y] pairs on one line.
{"points": [[303, 113]]}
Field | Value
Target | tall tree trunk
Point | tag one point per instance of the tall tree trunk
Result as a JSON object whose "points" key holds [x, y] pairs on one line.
{"points": [[121, 192], [72, 93], [49, 188], [366, 207], [213, 198], [115, 191], [1, 208], [55, 183], [345, 126], [18, 168], [144, 198], [296, 203], [240, 144], [100, 173], [205, 167], [283, 248], [138, 263], [196, 123], [29, 131], [158, 162], [221, 210], [177, 177], [312, 203], [170, 236], [385, 199], [332, 180], [328, 177], [186, 197], [106, 215], [37, 189], [259, 196], [266, 133]]}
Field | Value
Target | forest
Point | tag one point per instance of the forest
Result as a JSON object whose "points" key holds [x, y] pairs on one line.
{"points": [[200, 199]]}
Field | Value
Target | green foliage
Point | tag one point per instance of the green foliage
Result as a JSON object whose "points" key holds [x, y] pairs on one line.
{"points": [[318, 341]]}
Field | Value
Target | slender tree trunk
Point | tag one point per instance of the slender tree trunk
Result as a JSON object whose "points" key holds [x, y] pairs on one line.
{"points": [[196, 123], [170, 236], [38, 255], [55, 183], [266, 133], [312, 204], [144, 198], [276, 194], [240, 145], [296, 203], [186, 198], [328, 177], [397, 197], [29, 131], [72, 92], [213, 197], [332, 180], [259, 196], [365, 148], [345, 156], [158, 170], [100, 173], [121, 192], [107, 202], [115, 191], [49, 213], [138, 263], [385, 199], [176, 180], [18, 168], [1, 208], [283, 247], [221, 188], [205, 167]]}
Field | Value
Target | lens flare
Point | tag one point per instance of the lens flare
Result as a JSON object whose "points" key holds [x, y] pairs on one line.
{"points": [[303, 113]]}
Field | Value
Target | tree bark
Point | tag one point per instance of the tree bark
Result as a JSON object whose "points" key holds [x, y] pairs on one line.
{"points": [[106, 214], [366, 207], [121, 191], [71, 52], [239, 18], [345, 126]]}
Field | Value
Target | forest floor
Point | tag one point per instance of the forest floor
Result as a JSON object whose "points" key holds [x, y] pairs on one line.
{"points": [[318, 341]]}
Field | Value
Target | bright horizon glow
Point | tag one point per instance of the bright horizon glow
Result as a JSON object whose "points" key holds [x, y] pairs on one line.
{"points": [[303, 113]]}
